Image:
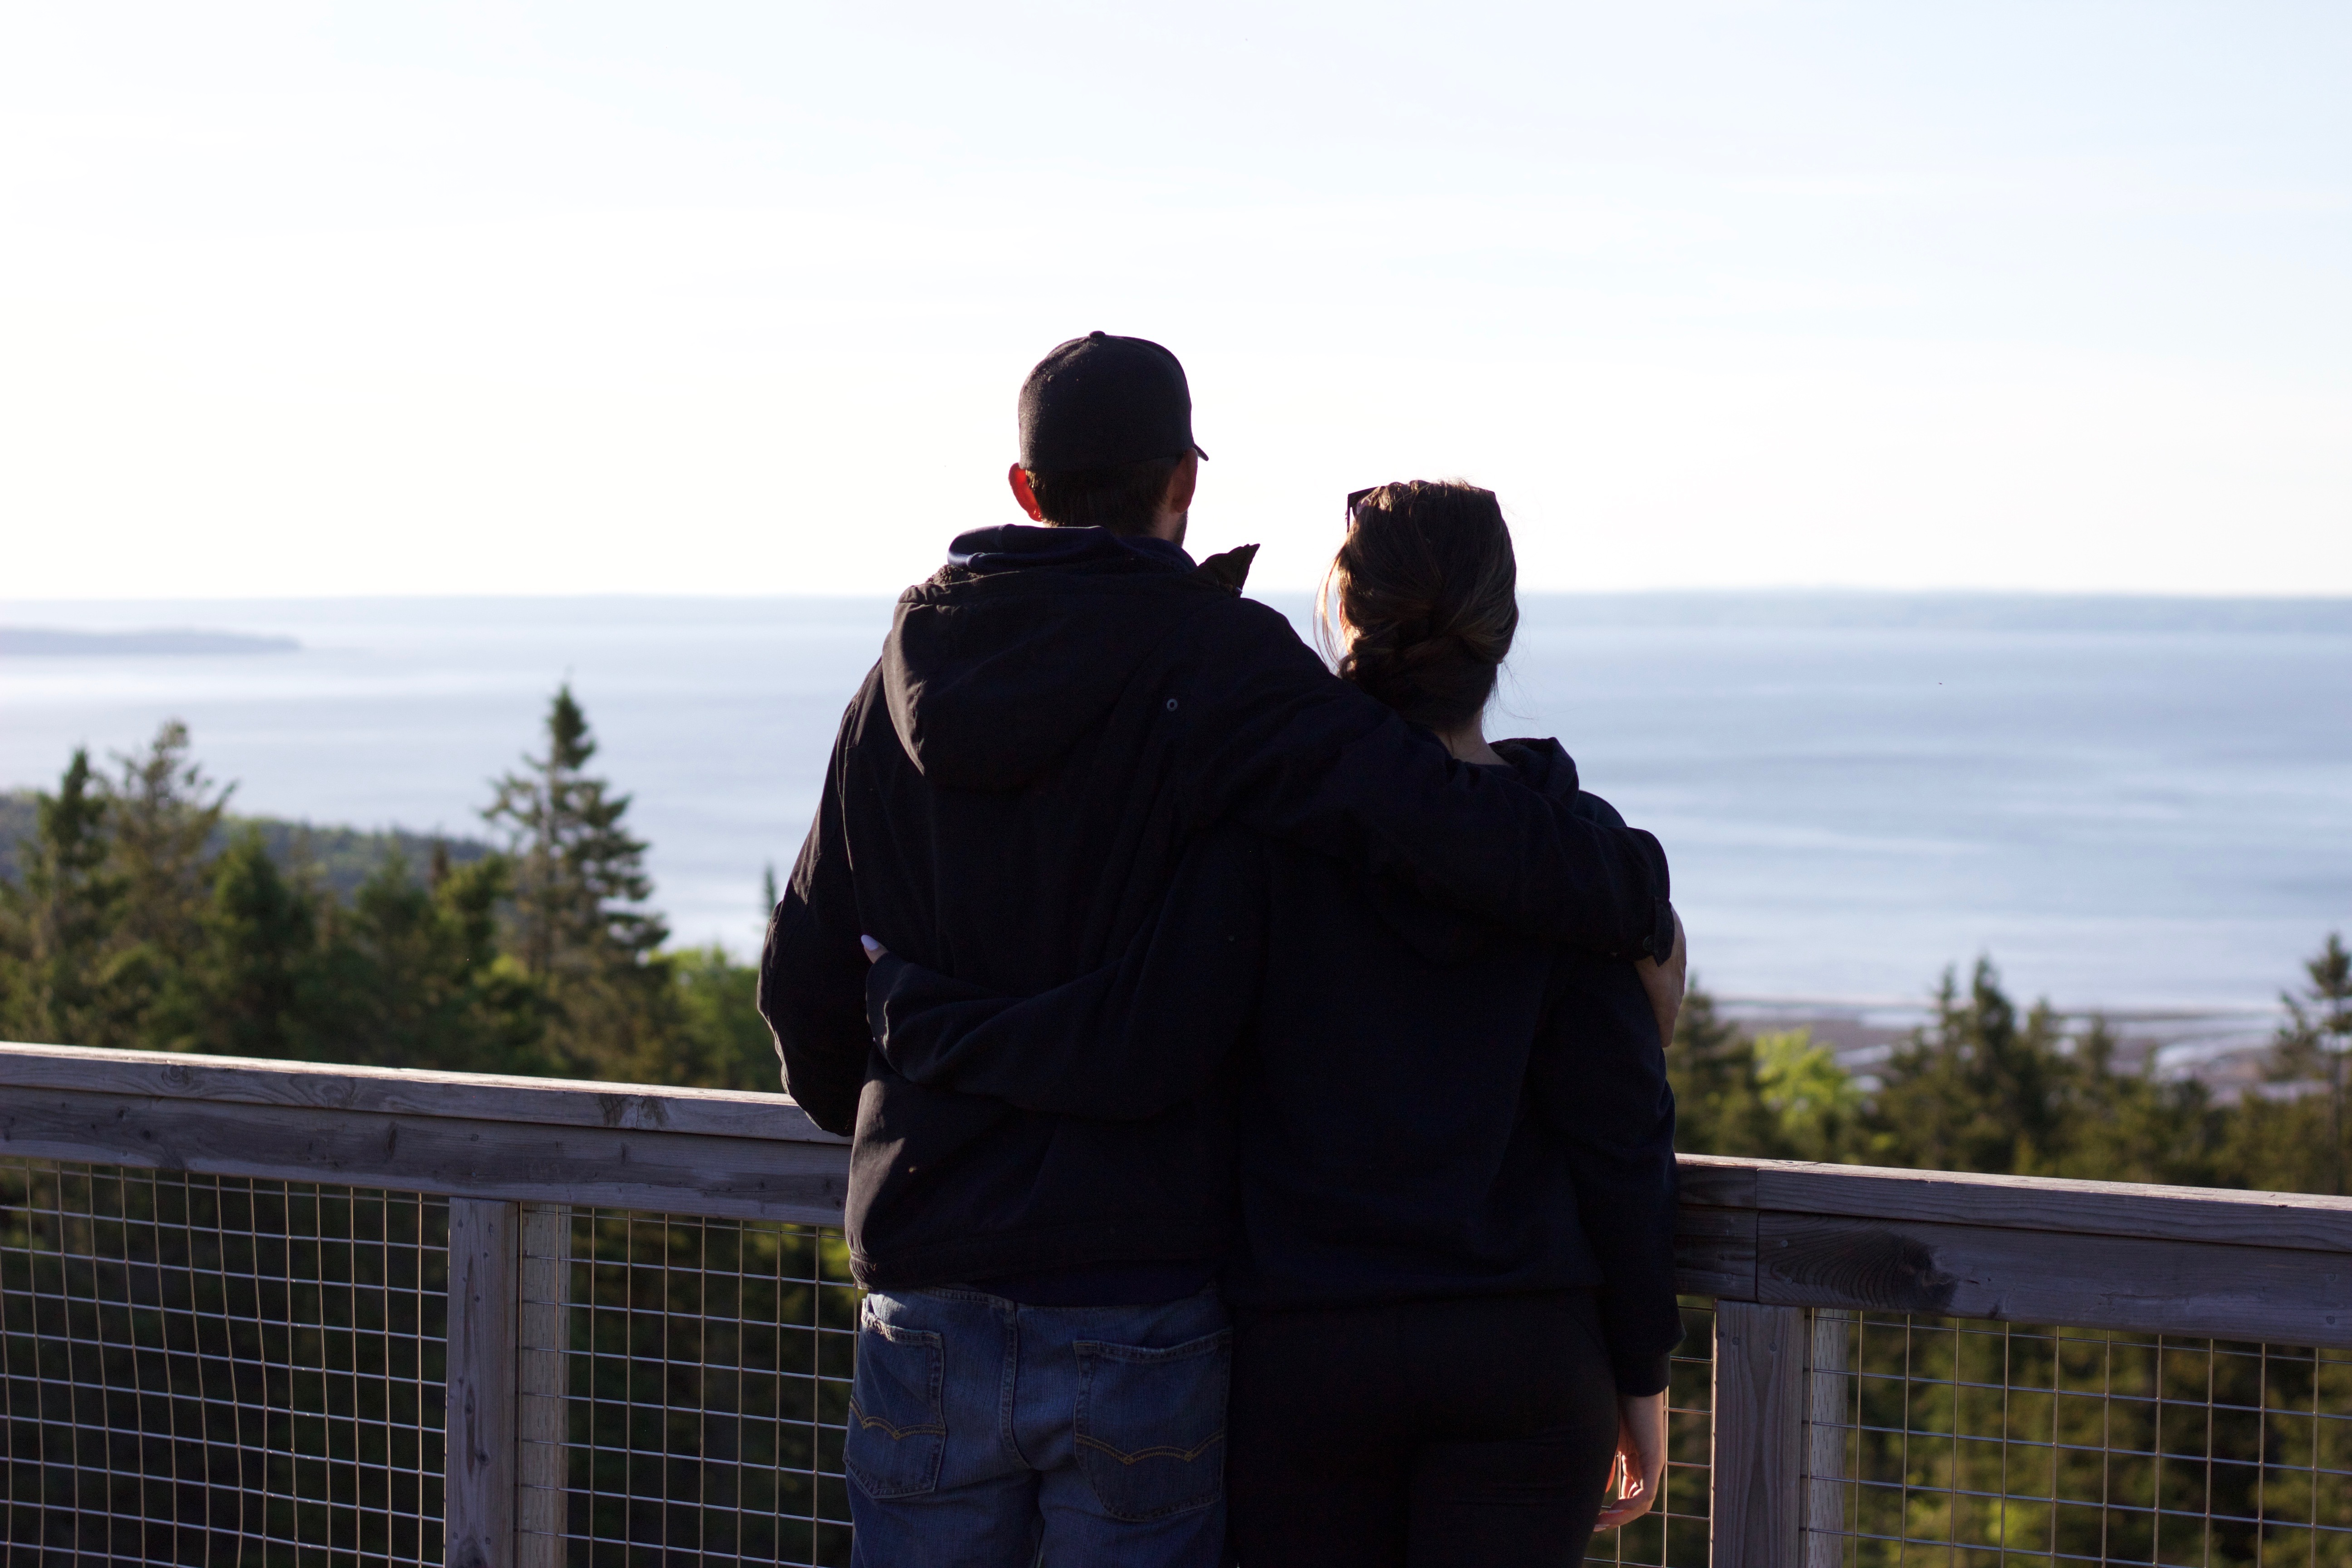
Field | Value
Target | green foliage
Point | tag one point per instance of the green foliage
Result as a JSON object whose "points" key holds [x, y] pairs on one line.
{"points": [[1976, 1089], [721, 1041], [55, 920], [1813, 1101], [1981, 1087], [1719, 1105], [140, 916], [578, 924]]}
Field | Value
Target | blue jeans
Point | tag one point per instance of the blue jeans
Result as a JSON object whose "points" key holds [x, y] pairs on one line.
{"points": [[981, 1429]]}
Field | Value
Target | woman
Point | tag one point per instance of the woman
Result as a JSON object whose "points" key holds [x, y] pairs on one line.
{"points": [[1453, 1272]]}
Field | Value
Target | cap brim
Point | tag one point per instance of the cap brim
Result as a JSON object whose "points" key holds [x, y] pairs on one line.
{"points": [[1198, 453]]}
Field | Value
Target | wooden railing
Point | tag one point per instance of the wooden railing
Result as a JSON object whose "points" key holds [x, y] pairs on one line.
{"points": [[1771, 1243]]}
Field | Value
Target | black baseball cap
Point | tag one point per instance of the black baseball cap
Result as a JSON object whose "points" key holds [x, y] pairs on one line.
{"points": [[1098, 402]]}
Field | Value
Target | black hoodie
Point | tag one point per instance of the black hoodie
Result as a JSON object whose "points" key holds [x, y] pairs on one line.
{"points": [[1057, 714]]}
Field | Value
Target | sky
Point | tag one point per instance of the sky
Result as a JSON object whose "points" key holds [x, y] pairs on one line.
{"points": [[312, 299]]}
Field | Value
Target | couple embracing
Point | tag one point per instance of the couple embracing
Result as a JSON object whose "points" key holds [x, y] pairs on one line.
{"points": [[1261, 1139]]}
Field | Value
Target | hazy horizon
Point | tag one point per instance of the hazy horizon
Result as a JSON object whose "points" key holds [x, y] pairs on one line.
{"points": [[2128, 803]]}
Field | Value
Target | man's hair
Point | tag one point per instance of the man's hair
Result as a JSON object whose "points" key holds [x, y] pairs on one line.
{"points": [[1428, 585], [1124, 500]]}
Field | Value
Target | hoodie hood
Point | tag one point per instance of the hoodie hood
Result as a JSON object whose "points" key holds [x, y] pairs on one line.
{"points": [[1025, 639]]}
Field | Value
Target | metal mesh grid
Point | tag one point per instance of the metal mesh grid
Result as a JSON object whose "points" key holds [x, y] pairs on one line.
{"points": [[212, 1370], [1962, 1442], [1674, 1534], [708, 1365]]}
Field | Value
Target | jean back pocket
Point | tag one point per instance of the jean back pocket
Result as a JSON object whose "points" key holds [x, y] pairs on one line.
{"points": [[897, 1431], [1151, 1425]]}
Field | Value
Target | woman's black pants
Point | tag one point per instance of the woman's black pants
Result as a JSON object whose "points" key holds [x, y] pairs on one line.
{"points": [[1420, 1435]]}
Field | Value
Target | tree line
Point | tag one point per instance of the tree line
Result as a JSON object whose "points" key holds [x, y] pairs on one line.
{"points": [[139, 914], [1986, 1088]]}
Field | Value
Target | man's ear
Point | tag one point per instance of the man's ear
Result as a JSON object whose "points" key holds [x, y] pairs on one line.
{"points": [[1023, 494], [1180, 486]]}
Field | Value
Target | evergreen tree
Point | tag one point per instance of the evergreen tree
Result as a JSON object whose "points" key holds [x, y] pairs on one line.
{"points": [[412, 977], [2298, 1142], [1975, 1089], [161, 817], [242, 992], [58, 916], [719, 1040], [578, 926], [1813, 1101], [1719, 1108], [2133, 1126], [165, 812]]}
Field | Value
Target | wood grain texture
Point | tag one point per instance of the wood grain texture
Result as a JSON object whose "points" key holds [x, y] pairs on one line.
{"points": [[674, 1172], [1759, 1419], [1714, 1252], [542, 1341], [1714, 1182], [2034, 1203], [564, 1102], [479, 1497], [2198, 1289]]}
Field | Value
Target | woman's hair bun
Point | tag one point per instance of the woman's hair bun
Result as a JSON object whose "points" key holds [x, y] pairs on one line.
{"points": [[1426, 588]]}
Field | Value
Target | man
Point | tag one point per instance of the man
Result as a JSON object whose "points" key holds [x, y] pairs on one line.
{"points": [[1058, 715]]}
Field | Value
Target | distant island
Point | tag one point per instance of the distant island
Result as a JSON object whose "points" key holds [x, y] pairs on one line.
{"points": [[48, 642]]}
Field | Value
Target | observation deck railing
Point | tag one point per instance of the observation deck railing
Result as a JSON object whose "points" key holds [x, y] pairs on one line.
{"points": [[260, 1312]]}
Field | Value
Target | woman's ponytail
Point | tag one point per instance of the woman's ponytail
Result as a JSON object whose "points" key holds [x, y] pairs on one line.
{"points": [[1426, 588]]}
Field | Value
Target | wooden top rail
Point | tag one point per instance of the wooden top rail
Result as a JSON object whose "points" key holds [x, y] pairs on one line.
{"points": [[2196, 1261], [719, 1152], [2186, 1261]]}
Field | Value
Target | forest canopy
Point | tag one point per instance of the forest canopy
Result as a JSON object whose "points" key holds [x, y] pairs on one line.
{"points": [[137, 913]]}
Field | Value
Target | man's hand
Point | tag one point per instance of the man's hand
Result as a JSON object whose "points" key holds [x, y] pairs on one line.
{"points": [[1641, 1453], [1665, 983]]}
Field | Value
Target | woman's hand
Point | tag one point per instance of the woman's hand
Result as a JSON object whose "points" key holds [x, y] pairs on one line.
{"points": [[1641, 1456], [1665, 983]]}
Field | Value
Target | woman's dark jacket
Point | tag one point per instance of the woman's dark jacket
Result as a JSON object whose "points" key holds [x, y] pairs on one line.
{"points": [[1426, 1108]]}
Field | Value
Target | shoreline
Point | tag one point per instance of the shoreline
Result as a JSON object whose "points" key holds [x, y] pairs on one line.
{"points": [[2219, 1047]]}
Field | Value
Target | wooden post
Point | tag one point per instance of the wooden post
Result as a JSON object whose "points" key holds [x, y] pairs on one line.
{"points": [[477, 1529], [1759, 1435], [1829, 1414], [542, 1429]]}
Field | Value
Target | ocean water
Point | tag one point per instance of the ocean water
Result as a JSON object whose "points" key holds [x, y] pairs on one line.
{"points": [[2127, 803]]}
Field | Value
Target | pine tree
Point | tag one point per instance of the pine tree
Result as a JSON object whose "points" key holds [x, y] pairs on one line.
{"points": [[243, 991], [412, 977], [1813, 1100], [579, 928], [165, 812], [2311, 1047], [57, 920], [1976, 1089], [1712, 1066]]}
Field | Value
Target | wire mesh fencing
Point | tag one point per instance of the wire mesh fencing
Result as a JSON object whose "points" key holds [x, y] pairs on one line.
{"points": [[1673, 1534], [1972, 1443], [707, 1366], [211, 1370]]}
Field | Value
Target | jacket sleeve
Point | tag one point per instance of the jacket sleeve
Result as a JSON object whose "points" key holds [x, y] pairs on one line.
{"points": [[1131, 1039], [1289, 749], [1597, 1078], [813, 972]]}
